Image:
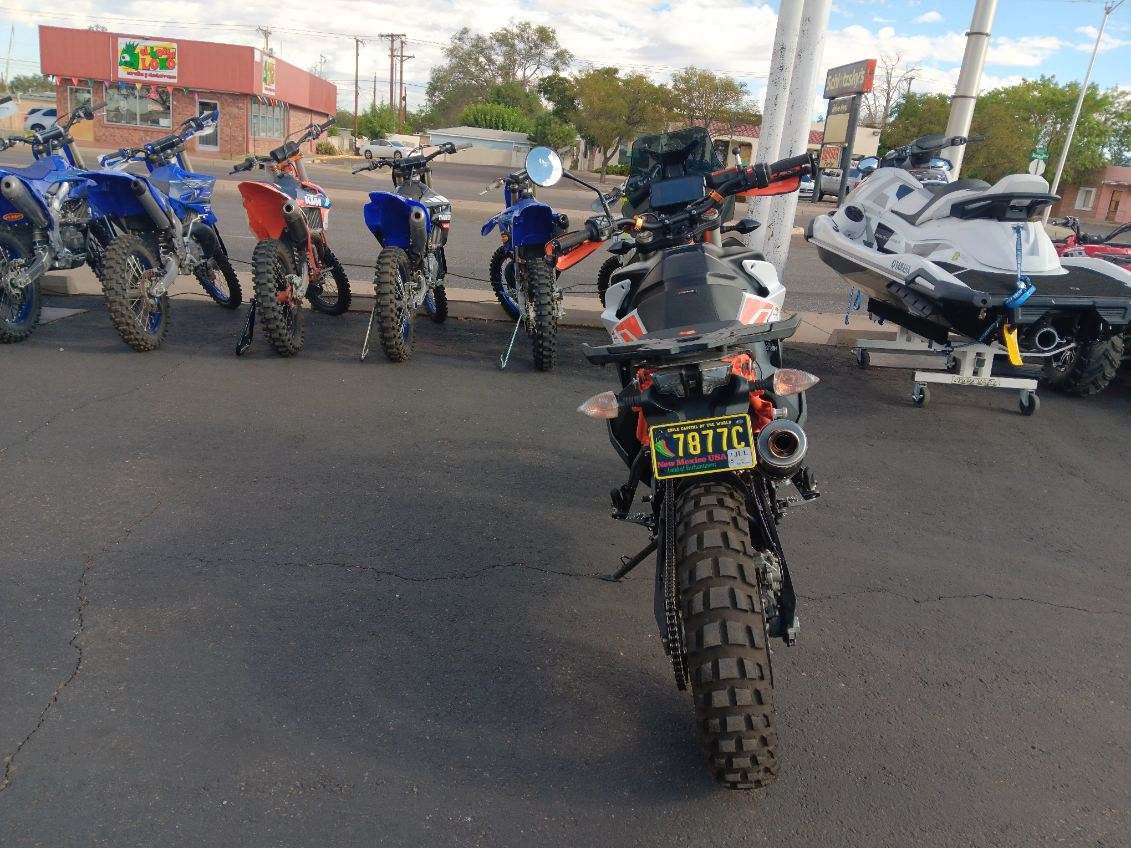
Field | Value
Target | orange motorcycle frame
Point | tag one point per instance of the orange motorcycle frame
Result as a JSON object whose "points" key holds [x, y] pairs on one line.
{"points": [[264, 204]]}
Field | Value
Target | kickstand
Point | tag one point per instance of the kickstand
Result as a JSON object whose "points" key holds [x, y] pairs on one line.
{"points": [[365, 344], [505, 358], [248, 333], [628, 564]]}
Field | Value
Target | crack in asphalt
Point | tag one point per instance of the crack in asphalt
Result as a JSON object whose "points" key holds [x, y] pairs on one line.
{"points": [[88, 566], [47, 422], [876, 590]]}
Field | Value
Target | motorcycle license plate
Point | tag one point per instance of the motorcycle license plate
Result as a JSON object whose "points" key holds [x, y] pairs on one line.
{"points": [[706, 446]]}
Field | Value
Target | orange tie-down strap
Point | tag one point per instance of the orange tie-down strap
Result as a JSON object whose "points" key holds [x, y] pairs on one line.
{"points": [[568, 260]]}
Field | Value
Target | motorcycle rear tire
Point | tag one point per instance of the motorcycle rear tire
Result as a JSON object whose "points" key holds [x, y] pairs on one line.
{"points": [[26, 311], [271, 262], [394, 316], [116, 286], [725, 632], [544, 333]]}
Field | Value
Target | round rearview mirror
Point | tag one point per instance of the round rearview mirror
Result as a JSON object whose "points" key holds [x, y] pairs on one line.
{"points": [[8, 107], [868, 164], [544, 166]]}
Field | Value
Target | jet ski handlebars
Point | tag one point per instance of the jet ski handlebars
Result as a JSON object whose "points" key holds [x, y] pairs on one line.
{"points": [[920, 152]]}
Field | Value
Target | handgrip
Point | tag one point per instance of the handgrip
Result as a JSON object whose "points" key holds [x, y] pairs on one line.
{"points": [[791, 167], [463, 145], [567, 242]]}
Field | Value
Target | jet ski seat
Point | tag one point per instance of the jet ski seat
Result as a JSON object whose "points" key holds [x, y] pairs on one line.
{"points": [[945, 197]]}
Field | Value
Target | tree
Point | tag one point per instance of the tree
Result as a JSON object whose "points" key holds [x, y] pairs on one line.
{"points": [[561, 93], [30, 84], [551, 131], [711, 100], [476, 64], [495, 116], [913, 116], [1015, 119], [376, 122], [892, 80], [513, 95], [613, 110]]}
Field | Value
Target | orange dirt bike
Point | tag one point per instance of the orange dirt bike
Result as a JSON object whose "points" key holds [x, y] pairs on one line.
{"points": [[292, 260]]}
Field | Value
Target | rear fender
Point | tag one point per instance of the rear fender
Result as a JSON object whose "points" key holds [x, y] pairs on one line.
{"points": [[532, 224], [110, 194], [386, 216], [264, 205]]}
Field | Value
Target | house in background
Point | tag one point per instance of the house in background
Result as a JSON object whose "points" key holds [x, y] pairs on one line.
{"points": [[1104, 197], [488, 147]]}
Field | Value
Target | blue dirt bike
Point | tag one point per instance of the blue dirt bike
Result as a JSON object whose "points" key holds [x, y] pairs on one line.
{"points": [[43, 220], [412, 224], [523, 280], [161, 225]]}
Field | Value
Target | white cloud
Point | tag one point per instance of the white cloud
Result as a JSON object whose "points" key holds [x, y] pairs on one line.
{"points": [[931, 17]]}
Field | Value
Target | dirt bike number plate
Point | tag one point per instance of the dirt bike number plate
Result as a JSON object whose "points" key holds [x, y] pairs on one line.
{"points": [[705, 446]]}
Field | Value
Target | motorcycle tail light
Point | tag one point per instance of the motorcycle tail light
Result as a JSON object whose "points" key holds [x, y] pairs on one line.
{"points": [[603, 405], [791, 381]]}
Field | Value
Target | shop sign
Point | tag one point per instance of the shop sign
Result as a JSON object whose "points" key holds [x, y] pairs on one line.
{"points": [[268, 76], [147, 61]]}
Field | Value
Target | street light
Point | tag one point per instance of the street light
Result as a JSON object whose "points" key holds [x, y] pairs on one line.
{"points": [[1108, 9]]}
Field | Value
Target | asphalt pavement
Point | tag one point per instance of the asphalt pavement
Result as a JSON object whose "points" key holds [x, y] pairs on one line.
{"points": [[312, 601]]}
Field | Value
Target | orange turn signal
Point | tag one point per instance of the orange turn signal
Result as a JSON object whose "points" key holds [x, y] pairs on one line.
{"points": [[790, 381]]}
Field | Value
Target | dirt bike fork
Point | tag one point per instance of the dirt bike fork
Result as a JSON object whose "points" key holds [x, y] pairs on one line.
{"points": [[244, 341]]}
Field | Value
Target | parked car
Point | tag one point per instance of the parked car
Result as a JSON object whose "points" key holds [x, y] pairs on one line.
{"points": [[807, 186], [385, 148], [40, 118], [830, 182]]}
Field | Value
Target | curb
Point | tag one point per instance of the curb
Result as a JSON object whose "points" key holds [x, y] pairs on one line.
{"points": [[822, 328]]}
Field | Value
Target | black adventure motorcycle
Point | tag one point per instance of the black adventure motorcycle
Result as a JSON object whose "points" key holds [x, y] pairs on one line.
{"points": [[708, 418]]}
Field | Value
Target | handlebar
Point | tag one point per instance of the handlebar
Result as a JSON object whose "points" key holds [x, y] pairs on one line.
{"points": [[700, 214], [410, 163]]}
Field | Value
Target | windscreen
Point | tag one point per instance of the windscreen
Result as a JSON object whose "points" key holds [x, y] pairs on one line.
{"points": [[667, 156]]}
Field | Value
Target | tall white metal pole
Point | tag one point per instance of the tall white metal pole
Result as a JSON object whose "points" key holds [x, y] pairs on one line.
{"points": [[798, 117], [1108, 9], [969, 79], [773, 110]]}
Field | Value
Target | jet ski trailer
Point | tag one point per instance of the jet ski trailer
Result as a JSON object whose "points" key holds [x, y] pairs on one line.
{"points": [[968, 274]]}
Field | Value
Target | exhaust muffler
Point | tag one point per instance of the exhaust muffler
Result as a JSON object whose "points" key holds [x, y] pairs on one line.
{"points": [[418, 231], [152, 208], [18, 194], [296, 224], [781, 447]]}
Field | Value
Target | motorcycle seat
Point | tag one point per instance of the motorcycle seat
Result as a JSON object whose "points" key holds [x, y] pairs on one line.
{"points": [[36, 170]]}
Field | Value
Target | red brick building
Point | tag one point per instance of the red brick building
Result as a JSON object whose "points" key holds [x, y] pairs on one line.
{"points": [[1105, 196], [150, 84]]}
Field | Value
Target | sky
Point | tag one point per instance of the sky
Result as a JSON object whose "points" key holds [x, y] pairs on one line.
{"points": [[656, 37]]}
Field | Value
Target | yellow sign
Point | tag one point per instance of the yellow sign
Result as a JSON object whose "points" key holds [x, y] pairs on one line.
{"points": [[268, 76]]}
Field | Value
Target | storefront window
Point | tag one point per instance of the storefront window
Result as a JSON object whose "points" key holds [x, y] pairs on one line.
{"points": [[77, 95], [268, 121], [136, 109]]}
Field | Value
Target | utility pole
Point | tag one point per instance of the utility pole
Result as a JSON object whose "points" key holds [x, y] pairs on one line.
{"points": [[403, 111], [321, 64], [969, 79], [8, 61], [1108, 9], [265, 31], [773, 110], [356, 82], [392, 36], [374, 89], [795, 127]]}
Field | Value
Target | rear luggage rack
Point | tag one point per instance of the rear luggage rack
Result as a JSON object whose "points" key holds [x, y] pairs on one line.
{"points": [[728, 337]]}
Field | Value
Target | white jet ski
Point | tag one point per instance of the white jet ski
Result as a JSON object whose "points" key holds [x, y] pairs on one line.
{"points": [[970, 259]]}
